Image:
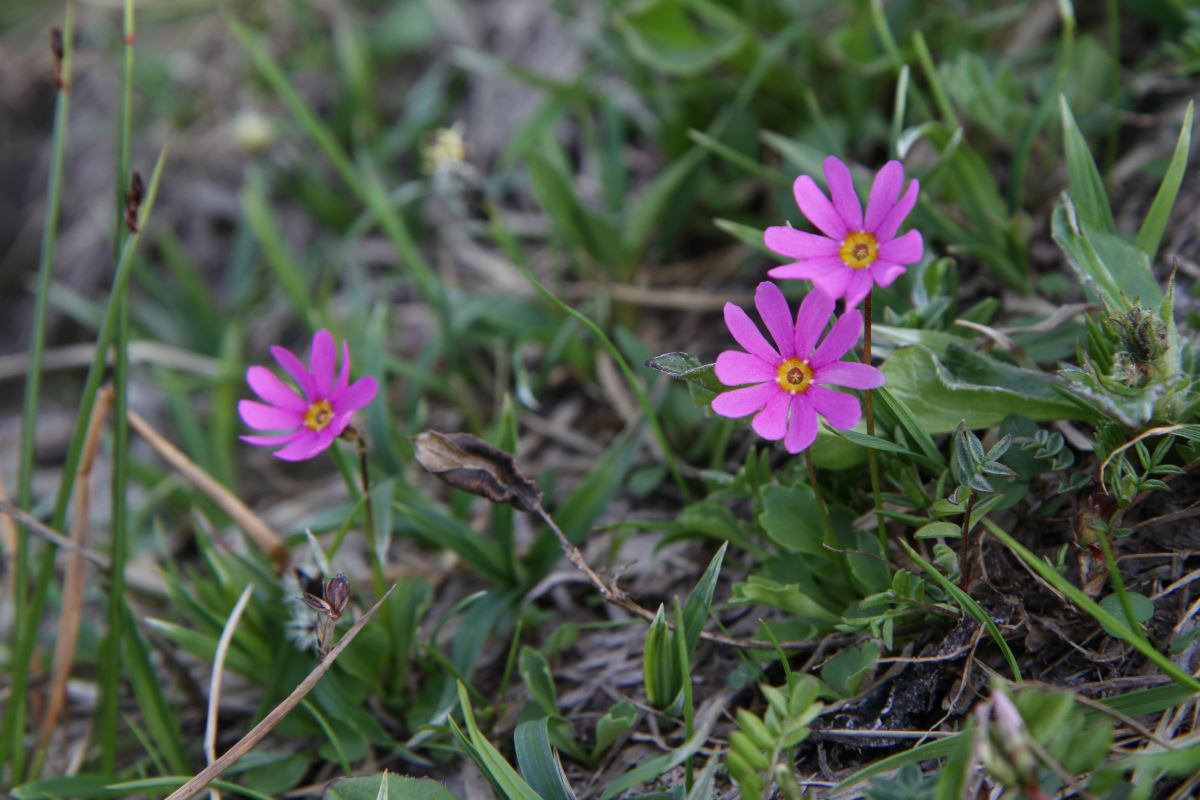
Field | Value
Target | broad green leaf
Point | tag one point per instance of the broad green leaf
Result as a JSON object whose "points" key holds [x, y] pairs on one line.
{"points": [[685, 367], [1143, 608], [387, 786], [791, 519], [939, 530], [1150, 234], [1113, 272], [1087, 187], [539, 762], [683, 37], [845, 672], [620, 718], [787, 597], [939, 400]]}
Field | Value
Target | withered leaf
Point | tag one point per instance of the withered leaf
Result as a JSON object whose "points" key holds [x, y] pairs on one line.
{"points": [[467, 462]]}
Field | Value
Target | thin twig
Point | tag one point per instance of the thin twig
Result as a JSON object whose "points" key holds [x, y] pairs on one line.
{"points": [[617, 597], [48, 533], [214, 686], [259, 531], [259, 731]]}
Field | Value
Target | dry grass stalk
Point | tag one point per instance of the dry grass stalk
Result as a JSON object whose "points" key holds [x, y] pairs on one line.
{"points": [[253, 525], [259, 731], [76, 574], [214, 686]]}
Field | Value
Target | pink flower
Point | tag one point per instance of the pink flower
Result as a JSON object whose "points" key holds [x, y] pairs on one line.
{"points": [[788, 380], [855, 252], [312, 417]]}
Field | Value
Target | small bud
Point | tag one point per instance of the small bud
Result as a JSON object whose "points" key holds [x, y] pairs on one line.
{"points": [[133, 201], [337, 594]]}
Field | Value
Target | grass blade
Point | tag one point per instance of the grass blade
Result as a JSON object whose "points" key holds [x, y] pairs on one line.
{"points": [[1150, 234], [1087, 187]]}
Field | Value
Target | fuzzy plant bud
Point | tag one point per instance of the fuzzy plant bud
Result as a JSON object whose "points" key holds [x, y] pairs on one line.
{"points": [[1142, 339]]}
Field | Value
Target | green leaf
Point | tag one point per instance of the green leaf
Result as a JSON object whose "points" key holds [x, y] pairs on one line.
{"points": [[845, 672], [385, 785], [695, 611], [939, 530], [939, 400], [539, 762], [504, 779], [790, 518], [1087, 187], [685, 367], [620, 718], [789, 597], [1143, 608], [660, 665], [535, 671], [581, 227], [1150, 234], [682, 37], [746, 234]]}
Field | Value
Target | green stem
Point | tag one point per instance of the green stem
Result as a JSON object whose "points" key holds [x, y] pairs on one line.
{"points": [[1118, 583], [14, 713], [364, 474], [110, 653], [872, 458]]}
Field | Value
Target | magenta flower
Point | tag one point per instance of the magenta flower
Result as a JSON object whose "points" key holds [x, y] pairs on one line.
{"points": [[312, 417], [787, 381], [855, 252]]}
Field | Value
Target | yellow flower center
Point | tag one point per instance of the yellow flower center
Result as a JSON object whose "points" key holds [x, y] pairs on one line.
{"points": [[319, 415], [859, 250], [794, 376]]}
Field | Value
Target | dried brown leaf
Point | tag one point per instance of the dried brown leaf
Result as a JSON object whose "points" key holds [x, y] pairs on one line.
{"points": [[467, 462]]}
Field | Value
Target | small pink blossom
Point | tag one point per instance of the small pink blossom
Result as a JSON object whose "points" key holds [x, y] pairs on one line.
{"points": [[788, 381], [854, 251], [316, 414]]}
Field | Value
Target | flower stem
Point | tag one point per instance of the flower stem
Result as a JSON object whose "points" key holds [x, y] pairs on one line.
{"points": [[830, 536], [872, 458], [1118, 583], [364, 474]]}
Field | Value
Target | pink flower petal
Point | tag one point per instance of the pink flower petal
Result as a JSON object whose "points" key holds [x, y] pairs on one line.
{"points": [[296, 369], [322, 358], [884, 192], [735, 368], [305, 447], [343, 379], [272, 441], [834, 282], [356, 396], [773, 308], [798, 244], [771, 422], [839, 340], [274, 391], [746, 333], [811, 319], [802, 427], [268, 418], [845, 199], [886, 272], [807, 270], [858, 288], [740, 402], [340, 422], [849, 374], [906, 249], [818, 209], [840, 410], [891, 223]]}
